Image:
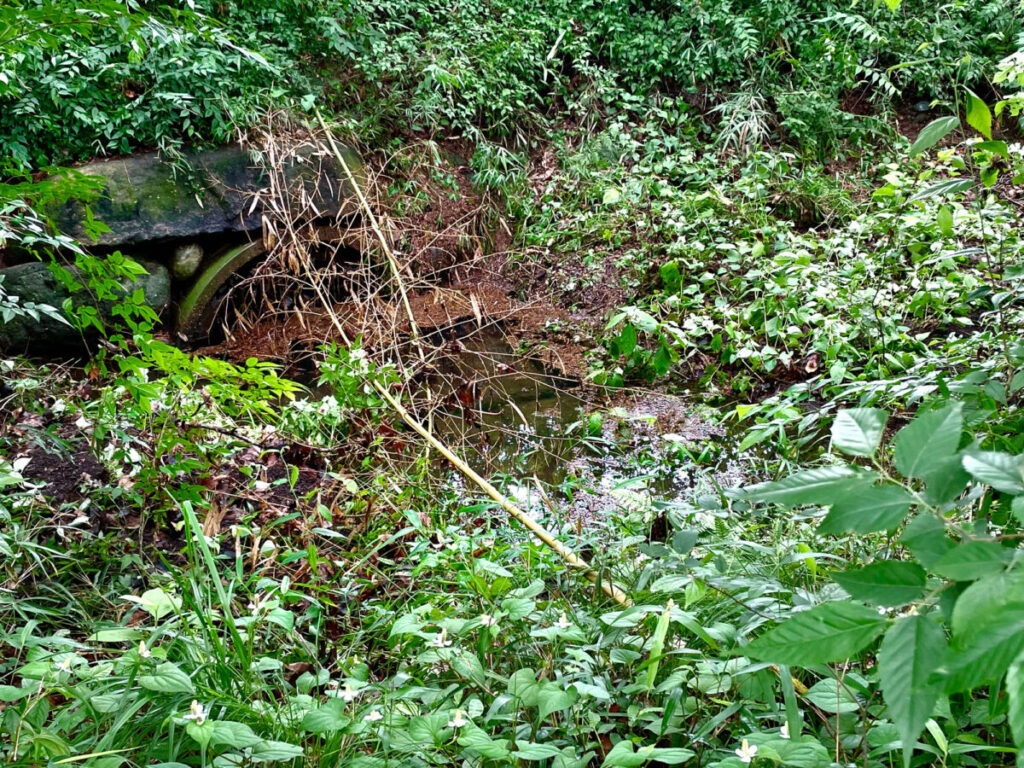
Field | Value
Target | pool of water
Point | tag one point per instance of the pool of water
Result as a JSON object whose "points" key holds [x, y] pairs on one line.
{"points": [[551, 442]]}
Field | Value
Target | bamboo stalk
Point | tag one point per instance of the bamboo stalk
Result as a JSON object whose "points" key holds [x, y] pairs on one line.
{"points": [[395, 269]]}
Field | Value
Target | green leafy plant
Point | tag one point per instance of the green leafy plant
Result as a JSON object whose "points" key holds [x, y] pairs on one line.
{"points": [[945, 512]]}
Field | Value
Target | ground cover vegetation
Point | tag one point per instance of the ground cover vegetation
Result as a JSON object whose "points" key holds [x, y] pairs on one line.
{"points": [[803, 215]]}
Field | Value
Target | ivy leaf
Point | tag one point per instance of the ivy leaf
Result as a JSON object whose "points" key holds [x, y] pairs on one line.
{"points": [[812, 486], [930, 435], [979, 117], [828, 632], [887, 582], [907, 657], [933, 133], [858, 431], [875, 508]]}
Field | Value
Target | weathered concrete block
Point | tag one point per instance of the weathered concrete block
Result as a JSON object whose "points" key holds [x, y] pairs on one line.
{"points": [[143, 200], [33, 282]]}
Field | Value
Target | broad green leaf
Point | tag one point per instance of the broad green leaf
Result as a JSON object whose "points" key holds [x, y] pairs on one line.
{"points": [[201, 734], [523, 686], [945, 480], [985, 660], [9, 693], [971, 560], [828, 632], [930, 435], [658, 645], [811, 486], [167, 678], [156, 602], [611, 196], [327, 718], [517, 607], [979, 117], [907, 657], [528, 750], [858, 431], [933, 133], [886, 582], [118, 635], [232, 734], [944, 218], [554, 698], [832, 696], [874, 508], [948, 187], [427, 729], [472, 737], [983, 602], [801, 752], [466, 664], [626, 755], [925, 536], [407, 624], [995, 147], [1015, 712], [274, 751], [1000, 470]]}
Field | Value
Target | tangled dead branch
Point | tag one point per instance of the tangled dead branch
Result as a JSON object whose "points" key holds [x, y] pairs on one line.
{"points": [[310, 266]]}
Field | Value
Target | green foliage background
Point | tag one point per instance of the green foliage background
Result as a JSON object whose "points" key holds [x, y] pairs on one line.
{"points": [[850, 298]]}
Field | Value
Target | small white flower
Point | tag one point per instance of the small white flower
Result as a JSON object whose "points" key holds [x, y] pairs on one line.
{"points": [[64, 665], [441, 641], [784, 731], [487, 620], [563, 622], [349, 694], [197, 712], [457, 720], [374, 716], [58, 407], [746, 752], [144, 652], [357, 354]]}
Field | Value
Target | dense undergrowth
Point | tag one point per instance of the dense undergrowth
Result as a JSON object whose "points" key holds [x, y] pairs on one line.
{"points": [[202, 564]]}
